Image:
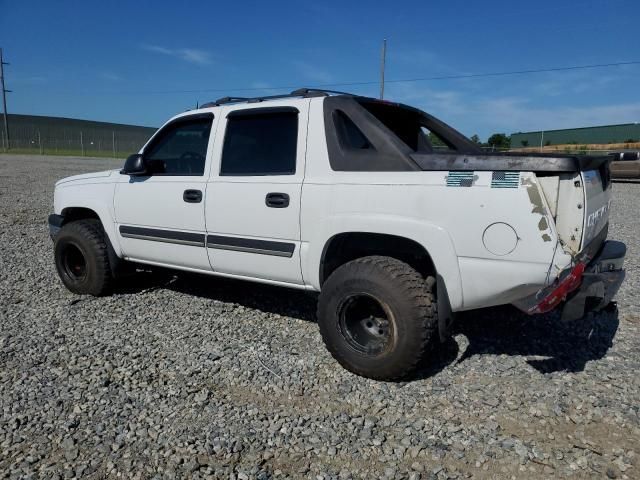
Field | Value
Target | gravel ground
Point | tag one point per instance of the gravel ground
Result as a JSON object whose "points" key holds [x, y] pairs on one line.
{"points": [[192, 376]]}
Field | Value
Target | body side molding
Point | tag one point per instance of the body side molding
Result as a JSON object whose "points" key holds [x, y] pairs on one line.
{"points": [[159, 235], [251, 245], [220, 242]]}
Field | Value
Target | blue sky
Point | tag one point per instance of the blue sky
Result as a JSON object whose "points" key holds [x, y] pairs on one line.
{"points": [[141, 62]]}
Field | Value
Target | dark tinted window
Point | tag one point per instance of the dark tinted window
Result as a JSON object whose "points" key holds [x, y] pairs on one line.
{"points": [[349, 134], [180, 149], [408, 126], [403, 122], [260, 144]]}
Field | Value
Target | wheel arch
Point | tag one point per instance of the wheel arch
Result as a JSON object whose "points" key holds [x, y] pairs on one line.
{"points": [[346, 246], [434, 242], [71, 213]]}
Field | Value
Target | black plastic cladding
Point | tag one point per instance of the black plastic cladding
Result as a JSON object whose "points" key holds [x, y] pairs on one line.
{"points": [[390, 154]]}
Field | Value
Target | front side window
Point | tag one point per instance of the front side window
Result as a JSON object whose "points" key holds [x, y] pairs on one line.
{"points": [[180, 149], [260, 143]]}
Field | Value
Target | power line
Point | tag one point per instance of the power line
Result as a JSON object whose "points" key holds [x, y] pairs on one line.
{"points": [[519, 72], [373, 82], [419, 79]]}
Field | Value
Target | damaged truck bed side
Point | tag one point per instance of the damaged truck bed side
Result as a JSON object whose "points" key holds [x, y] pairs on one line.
{"points": [[570, 197]]}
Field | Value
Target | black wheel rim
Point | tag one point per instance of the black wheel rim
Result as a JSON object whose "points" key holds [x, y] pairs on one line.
{"points": [[74, 262], [366, 323]]}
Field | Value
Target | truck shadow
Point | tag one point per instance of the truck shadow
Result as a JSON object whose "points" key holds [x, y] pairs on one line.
{"points": [[491, 331], [567, 346], [266, 298]]}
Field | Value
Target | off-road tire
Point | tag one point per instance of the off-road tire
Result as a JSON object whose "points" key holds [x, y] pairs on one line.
{"points": [[82, 257], [403, 292]]}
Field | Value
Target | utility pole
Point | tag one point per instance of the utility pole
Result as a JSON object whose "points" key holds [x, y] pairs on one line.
{"points": [[382, 62], [4, 99]]}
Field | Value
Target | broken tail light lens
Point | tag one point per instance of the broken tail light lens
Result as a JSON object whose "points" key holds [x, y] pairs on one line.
{"points": [[567, 285]]}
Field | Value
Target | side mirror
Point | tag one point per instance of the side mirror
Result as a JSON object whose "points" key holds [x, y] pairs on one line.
{"points": [[135, 165]]}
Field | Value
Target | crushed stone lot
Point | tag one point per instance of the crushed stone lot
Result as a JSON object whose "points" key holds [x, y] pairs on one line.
{"points": [[191, 376]]}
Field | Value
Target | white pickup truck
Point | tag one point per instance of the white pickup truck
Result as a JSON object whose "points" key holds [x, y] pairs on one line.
{"points": [[395, 218]]}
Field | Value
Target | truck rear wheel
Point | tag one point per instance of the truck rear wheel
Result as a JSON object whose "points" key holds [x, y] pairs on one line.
{"points": [[377, 317], [82, 258]]}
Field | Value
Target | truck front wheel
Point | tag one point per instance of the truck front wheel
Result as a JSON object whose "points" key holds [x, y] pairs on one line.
{"points": [[377, 317], [82, 257]]}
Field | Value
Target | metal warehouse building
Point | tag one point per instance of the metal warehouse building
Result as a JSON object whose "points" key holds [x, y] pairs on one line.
{"points": [[587, 135], [58, 135]]}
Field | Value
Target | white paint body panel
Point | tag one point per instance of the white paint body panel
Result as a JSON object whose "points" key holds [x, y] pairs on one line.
{"points": [[94, 192], [449, 222], [157, 203]]}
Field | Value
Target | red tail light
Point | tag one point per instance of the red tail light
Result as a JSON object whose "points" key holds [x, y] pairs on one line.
{"points": [[567, 285]]}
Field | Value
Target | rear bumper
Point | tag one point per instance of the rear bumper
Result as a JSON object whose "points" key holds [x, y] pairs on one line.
{"points": [[584, 287], [55, 224], [600, 282]]}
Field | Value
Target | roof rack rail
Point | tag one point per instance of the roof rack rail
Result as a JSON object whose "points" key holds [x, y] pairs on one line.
{"points": [[316, 92], [223, 100], [301, 92]]}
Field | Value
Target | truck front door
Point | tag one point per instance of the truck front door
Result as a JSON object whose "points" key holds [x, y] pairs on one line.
{"points": [[160, 217]]}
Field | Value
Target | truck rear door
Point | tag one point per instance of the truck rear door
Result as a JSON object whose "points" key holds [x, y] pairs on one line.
{"points": [[252, 207]]}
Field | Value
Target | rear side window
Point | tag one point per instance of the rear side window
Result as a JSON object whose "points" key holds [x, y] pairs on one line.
{"points": [[260, 144], [349, 135], [404, 123], [407, 125]]}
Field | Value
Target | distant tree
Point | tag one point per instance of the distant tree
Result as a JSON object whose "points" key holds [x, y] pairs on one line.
{"points": [[499, 140], [547, 143], [475, 139], [630, 140], [525, 143], [435, 140]]}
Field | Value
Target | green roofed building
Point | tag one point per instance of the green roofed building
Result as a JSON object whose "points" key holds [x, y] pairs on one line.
{"points": [[587, 135]]}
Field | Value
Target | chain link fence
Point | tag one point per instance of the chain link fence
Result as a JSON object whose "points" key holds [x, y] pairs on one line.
{"points": [[65, 136]]}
